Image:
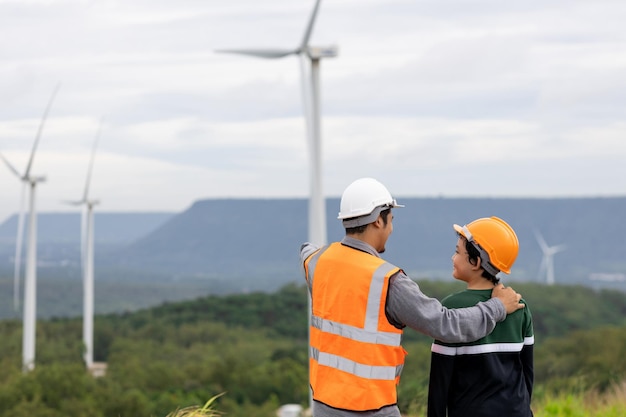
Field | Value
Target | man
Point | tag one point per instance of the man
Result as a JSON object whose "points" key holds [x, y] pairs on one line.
{"points": [[360, 305]]}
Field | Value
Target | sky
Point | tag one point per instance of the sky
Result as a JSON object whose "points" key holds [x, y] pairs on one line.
{"points": [[444, 98]]}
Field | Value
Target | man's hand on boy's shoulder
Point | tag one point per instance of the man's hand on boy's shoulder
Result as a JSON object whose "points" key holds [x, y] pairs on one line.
{"points": [[509, 297]]}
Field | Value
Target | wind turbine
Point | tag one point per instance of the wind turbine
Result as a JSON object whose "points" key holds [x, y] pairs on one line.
{"points": [[311, 105], [87, 258], [547, 263], [30, 283]]}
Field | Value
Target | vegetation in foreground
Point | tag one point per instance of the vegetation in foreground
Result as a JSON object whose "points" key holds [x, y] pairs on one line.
{"points": [[592, 403], [253, 348], [209, 409], [586, 404]]}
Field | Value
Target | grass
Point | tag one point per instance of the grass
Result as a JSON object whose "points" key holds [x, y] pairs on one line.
{"points": [[591, 403], [611, 403], [207, 410]]}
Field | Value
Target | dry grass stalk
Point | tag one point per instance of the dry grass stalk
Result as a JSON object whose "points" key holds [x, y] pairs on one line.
{"points": [[196, 411]]}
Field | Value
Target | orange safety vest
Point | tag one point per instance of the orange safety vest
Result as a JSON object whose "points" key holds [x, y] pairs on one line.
{"points": [[355, 356]]}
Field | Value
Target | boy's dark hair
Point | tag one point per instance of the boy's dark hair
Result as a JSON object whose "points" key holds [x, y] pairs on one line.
{"points": [[473, 256], [360, 229]]}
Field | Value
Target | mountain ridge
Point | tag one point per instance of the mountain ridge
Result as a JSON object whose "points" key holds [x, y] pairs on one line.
{"points": [[253, 243], [260, 237]]}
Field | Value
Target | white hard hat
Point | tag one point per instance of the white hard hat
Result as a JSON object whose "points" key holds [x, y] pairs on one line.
{"points": [[361, 198]]}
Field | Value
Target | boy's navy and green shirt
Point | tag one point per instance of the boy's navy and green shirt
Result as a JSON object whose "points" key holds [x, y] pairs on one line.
{"points": [[492, 376]]}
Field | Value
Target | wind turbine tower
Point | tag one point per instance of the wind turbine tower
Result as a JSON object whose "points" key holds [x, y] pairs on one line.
{"points": [[547, 262], [310, 58], [87, 259], [30, 283]]}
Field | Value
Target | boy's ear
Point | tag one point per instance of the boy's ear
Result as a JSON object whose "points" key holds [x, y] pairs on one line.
{"points": [[478, 264]]}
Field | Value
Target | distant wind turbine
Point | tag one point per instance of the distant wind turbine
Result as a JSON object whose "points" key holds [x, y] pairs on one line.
{"points": [[310, 99], [87, 258], [30, 282], [547, 262]]}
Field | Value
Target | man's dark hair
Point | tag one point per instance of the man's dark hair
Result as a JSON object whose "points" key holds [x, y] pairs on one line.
{"points": [[473, 256], [360, 229]]}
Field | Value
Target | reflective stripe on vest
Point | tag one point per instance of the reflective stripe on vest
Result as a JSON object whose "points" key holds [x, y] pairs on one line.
{"points": [[387, 373], [367, 335]]}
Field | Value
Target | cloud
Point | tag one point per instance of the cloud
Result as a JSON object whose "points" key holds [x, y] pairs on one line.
{"points": [[434, 98]]}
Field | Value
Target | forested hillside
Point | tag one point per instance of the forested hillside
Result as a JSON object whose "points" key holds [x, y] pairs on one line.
{"points": [[254, 347]]}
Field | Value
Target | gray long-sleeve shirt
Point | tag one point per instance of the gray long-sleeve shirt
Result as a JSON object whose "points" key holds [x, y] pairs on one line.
{"points": [[408, 306]]}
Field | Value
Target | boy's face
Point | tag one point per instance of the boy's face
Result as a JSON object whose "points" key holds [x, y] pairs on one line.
{"points": [[462, 269]]}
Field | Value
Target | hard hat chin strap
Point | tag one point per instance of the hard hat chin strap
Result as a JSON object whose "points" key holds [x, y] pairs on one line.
{"points": [[484, 256]]}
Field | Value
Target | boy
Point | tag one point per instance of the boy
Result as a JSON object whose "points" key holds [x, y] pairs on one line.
{"points": [[492, 376]]}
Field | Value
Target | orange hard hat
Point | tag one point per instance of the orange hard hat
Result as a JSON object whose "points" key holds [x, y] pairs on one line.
{"points": [[495, 240]]}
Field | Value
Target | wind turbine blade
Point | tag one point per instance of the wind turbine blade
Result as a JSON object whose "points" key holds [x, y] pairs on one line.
{"points": [[19, 240], [306, 98], [90, 169], [309, 28], [41, 125], [260, 53], [11, 167], [558, 248], [541, 241]]}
